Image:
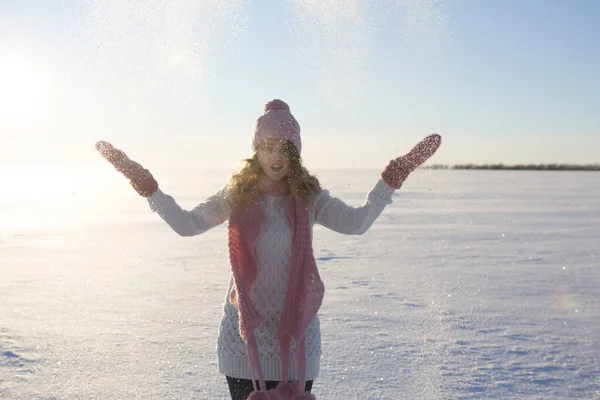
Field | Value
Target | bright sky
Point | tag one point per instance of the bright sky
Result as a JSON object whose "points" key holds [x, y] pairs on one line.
{"points": [[183, 81]]}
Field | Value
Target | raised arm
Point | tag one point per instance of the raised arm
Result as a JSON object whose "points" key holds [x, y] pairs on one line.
{"points": [[212, 212], [340, 217], [336, 215]]}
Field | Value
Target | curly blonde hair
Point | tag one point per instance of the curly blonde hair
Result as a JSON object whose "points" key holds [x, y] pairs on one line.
{"points": [[242, 185]]}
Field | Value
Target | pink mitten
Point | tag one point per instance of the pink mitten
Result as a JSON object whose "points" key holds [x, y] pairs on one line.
{"points": [[141, 179], [398, 170]]}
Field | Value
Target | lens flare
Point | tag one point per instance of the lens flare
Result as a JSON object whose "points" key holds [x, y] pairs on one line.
{"points": [[563, 300]]}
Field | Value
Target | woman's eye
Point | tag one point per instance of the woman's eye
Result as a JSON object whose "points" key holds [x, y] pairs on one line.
{"points": [[273, 150]]}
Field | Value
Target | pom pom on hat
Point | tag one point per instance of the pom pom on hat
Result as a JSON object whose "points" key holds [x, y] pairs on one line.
{"points": [[277, 104], [277, 122]]}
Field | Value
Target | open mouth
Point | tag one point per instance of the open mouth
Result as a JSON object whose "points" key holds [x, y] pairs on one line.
{"points": [[276, 168]]}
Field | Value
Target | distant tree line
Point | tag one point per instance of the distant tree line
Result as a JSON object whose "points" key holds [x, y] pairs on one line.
{"points": [[521, 167]]}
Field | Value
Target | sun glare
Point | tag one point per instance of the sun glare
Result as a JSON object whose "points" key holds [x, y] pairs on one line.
{"points": [[22, 89]]}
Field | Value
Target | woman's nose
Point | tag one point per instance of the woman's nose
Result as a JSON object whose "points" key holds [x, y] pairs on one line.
{"points": [[278, 153]]}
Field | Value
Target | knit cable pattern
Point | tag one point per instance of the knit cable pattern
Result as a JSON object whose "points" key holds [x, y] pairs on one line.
{"points": [[305, 289]]}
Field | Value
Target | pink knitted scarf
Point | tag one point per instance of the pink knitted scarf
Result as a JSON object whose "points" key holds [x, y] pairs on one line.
{"points": [[304, 293]]}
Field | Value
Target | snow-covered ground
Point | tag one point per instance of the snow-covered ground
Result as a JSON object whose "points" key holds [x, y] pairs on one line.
{"points": [[472, 285]]}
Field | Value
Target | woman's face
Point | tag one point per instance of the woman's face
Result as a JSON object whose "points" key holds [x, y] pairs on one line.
{"points": [[273, 158]]}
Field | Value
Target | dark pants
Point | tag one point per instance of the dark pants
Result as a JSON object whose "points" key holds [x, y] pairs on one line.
{"points": [[240, 389]]}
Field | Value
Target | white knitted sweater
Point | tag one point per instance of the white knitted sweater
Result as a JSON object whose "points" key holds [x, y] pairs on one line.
{"points": [[273, 250]]}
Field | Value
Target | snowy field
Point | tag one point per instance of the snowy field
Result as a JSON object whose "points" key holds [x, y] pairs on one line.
{"points": [[472, 285]]}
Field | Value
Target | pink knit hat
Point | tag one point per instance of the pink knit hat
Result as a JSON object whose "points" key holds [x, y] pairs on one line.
{"points": [[277, 122]]}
